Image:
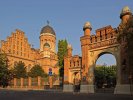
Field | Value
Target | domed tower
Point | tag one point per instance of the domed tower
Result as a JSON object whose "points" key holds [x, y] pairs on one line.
{"points": [[125, 14], [85, 41], [47, 40], [48, 56], [87, 29]]}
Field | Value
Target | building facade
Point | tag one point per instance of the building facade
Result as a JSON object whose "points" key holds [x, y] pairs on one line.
{"points": [[72, 67], [18, 49], [92, 47]]}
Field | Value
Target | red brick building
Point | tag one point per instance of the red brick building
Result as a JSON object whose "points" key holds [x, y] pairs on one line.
{"points": [[18, 48]]}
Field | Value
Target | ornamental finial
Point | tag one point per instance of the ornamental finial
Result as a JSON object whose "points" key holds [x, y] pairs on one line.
{"points": [[48, 22]]}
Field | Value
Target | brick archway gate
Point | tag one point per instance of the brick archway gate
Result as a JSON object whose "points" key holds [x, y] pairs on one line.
{"points": [[94, 56], [92, 46], [105, 41]]}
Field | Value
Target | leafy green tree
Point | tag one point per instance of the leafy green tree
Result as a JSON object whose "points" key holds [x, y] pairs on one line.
{"points": [[20, 70], [62, 49], [37, 70], [5, 74], [105, 75]]}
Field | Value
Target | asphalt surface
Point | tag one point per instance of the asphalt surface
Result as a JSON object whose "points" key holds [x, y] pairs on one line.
{"points": [[48, 95]]}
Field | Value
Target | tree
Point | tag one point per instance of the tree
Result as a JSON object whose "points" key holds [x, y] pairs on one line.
{"points": [[37, 70], [20, 70], [125, 30], [105, 75], [5, 74], [62, 49]]}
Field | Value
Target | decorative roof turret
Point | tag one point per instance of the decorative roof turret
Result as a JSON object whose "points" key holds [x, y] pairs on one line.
{"points": [[87, 25], [47, 29], [125, 11]]}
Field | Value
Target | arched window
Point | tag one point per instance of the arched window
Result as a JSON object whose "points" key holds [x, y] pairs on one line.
{"points": [[111, 35], [78, 63], [105, 36], [101, 38], [95, 39], [46, 45], [74, 64]]}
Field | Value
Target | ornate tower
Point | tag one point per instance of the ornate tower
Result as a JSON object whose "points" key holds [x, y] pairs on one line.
{"points": [[125, 70], [48, 57], [85, 41], [47, 41], [125, 14], [87, 29]]}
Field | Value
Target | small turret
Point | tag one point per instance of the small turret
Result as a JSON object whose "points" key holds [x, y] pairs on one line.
{"points": [[87, 28], [125, 14], [69, 50]]}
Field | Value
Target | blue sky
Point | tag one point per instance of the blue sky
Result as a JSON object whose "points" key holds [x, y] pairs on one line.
{"points": [[67, 17]]}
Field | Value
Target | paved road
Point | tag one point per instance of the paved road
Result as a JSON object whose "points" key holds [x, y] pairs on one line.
{"points": [[43, 95]]}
